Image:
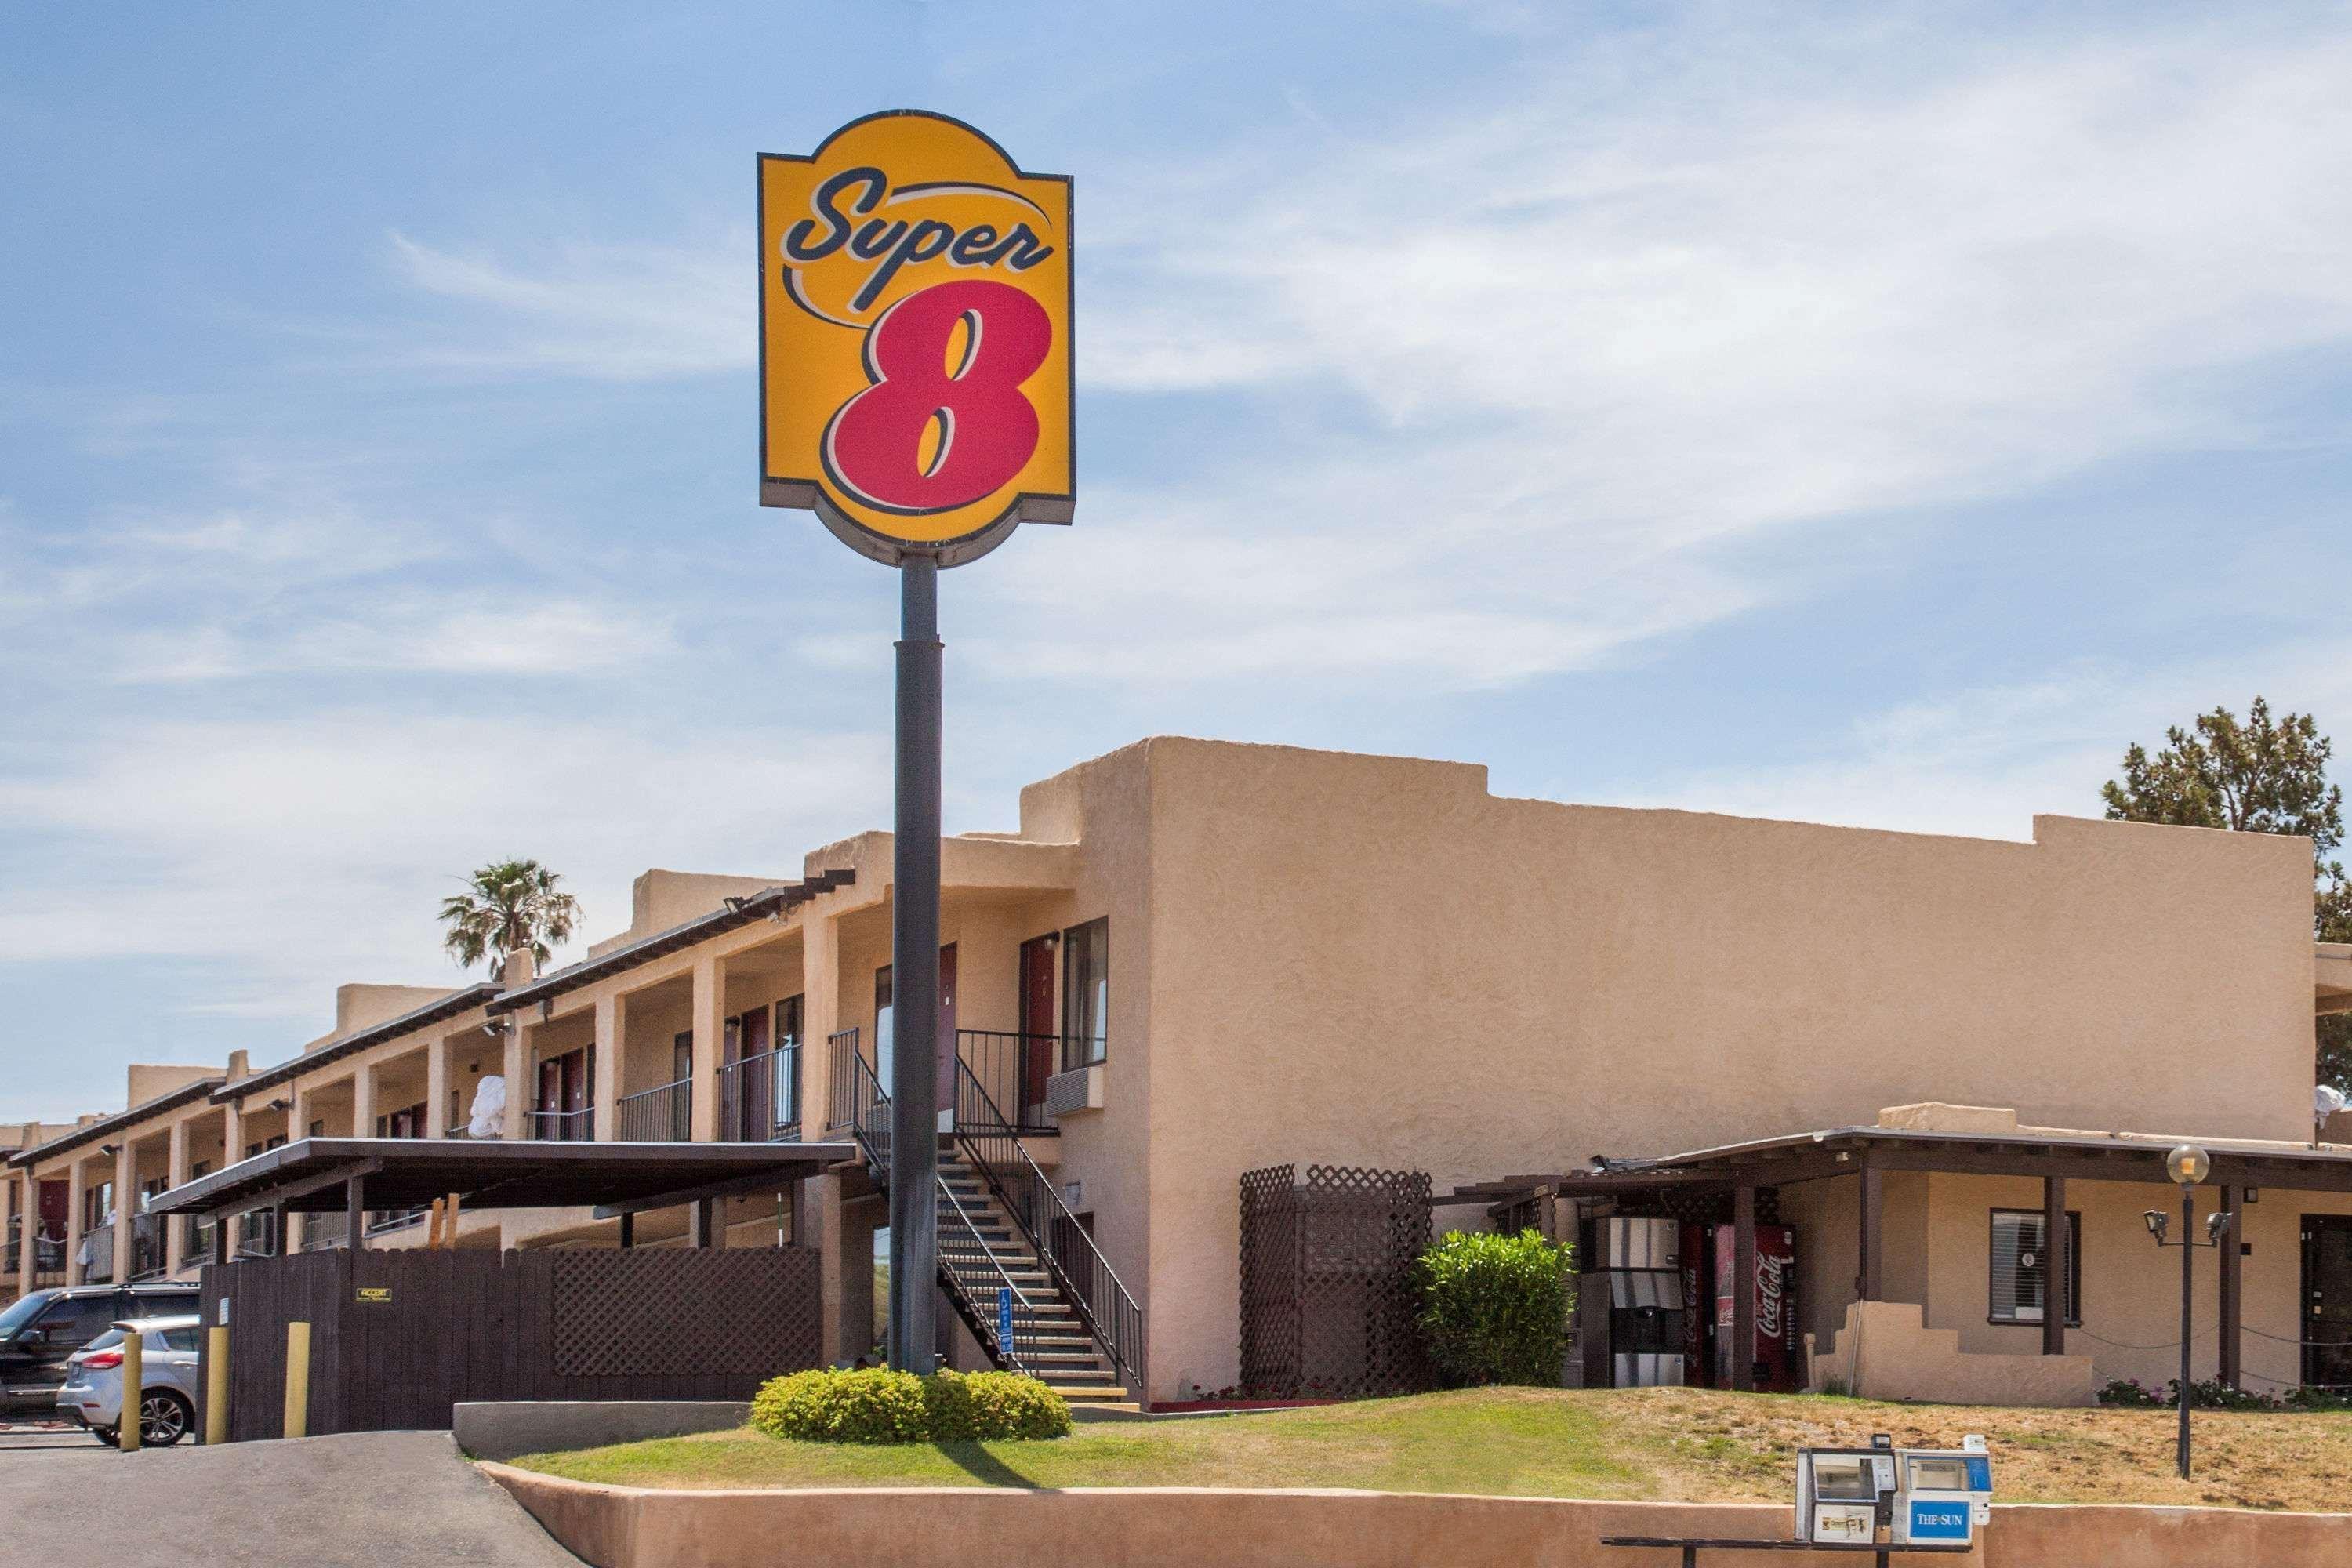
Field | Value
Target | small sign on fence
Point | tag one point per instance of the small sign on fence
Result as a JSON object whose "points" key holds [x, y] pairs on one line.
{"points": [[375, 1295]]}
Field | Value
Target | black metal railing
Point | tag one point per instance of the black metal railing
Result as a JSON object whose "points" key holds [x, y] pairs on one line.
{"points": [[196, 1233], [842, 1111], [97, 1251], [395, 1219], [992, 1145], [1012, 1066], [147, 1258], [563, 1126], [259, 1238], [1005, 1319], [868, 1112], [760, 1097], [321, 1231], [12, 1250], [664, 1114]]}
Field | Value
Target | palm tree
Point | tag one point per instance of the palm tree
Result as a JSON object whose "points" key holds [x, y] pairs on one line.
{"points": [[508, 905]]}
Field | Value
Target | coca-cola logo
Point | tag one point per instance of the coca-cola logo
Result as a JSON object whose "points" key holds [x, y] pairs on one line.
{"points": [[1770, 1288]]}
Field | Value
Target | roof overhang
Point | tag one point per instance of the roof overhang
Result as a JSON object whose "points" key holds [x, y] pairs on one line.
{"points": [[121, 1122], [771, 903], [2332, 974], [309, 1175], [464, 999], [1846, 1150]]}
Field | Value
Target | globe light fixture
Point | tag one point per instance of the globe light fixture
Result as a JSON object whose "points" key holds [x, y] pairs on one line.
{"points": [[2188, 1164]]}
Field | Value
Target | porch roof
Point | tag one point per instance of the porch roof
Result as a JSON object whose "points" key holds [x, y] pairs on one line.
{"points": [[439, 1010], [122, 1120], [2017, 1151], [307, 1175], [762, 905]]}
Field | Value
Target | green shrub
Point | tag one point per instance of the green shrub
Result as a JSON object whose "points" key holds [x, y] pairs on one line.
{"points": [[871, 1406], [1492, 1308], [986, 1405]]}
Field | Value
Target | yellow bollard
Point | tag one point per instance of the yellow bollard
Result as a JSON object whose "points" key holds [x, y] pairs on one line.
{"points": [[128, 1427], [297, 1380], [217, 1387]]}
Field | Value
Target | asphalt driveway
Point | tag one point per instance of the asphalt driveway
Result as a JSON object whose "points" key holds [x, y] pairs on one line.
{"points": [[362, 1500]]}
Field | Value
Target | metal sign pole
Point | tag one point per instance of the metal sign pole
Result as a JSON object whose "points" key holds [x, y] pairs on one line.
{"points": [[915, 974]]}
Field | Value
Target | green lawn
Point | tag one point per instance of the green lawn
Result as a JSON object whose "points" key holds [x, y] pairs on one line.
{"points": [[1656, 1443]]}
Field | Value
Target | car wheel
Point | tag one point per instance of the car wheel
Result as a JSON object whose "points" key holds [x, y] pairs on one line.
{"points": [[163, 1419]]}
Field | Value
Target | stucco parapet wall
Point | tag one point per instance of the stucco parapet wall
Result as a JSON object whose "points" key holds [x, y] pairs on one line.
{"points": [[971, 862], [980, 1527]]}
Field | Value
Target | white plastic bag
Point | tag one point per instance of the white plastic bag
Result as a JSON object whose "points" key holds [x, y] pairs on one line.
{"points": [[489, 1119]]}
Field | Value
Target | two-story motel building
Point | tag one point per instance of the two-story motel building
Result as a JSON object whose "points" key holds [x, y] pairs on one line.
{"points": [[1193, 958]]}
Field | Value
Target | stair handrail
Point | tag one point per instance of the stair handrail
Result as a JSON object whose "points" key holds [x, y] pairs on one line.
{"points": [[867, 1096], [1121, 1338], [984, 1316]]}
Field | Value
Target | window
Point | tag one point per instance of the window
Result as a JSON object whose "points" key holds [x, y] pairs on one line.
{"points": [[74, 1323], [883, 1057], [2020, 1267], [785, 1093], [1085, 994]]}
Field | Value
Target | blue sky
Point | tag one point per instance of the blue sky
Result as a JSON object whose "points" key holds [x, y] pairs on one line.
{"points": [[1877, 415]]}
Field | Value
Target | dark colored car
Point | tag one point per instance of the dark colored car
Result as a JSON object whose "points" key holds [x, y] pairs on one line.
{"points": [[40, 1330]]}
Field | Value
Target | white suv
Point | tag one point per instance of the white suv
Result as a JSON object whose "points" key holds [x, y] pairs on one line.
{"points": [[167, 1406]]}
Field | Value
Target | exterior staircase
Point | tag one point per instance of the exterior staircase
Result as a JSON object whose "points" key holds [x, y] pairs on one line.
{"points": [[1068, 1319], [983, 1252]]}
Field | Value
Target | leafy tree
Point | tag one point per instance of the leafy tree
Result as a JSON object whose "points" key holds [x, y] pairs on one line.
{"points": [[508, 907], [1494, 1307], [2261, 776]]}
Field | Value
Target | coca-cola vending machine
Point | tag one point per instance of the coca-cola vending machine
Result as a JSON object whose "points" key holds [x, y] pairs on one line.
{"points": [[1778, 1361]]}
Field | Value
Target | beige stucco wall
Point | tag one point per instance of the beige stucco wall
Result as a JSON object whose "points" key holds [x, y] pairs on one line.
{"points": [[1372, 961]]}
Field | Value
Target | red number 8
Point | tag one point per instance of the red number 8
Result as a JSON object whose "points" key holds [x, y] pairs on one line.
{"points": [[987, 428]]}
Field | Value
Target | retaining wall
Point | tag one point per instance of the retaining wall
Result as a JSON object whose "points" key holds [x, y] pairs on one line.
{"points": [[622, 1527]]}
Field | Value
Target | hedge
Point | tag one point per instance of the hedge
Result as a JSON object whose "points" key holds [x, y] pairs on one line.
{"points": [[875, 1406]]}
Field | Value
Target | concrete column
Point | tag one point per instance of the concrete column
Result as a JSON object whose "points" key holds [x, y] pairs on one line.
{"points": [[820, 1016], [75, 1187], [437, 1088], [820, 1198], [298, 1127], [126, 1205], [28, 1200], [232, 1151], [709, 1039], [515, 1068], [363, 1101], [175, 1173], [611, 1025]]}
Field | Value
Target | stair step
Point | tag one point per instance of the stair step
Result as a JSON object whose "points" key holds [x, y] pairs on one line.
{"points": [[1090, 1395]]}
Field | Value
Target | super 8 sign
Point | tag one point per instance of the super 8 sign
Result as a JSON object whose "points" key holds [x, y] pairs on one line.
{"points": [[915, 367]]}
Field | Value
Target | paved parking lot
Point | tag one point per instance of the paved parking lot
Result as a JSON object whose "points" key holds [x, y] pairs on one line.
{"points": [[365, 1499]]}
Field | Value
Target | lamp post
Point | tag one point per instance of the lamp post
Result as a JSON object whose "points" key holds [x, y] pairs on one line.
{"points": [[2188, 1165]]}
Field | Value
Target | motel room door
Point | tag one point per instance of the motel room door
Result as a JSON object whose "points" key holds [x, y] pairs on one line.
{"points": [[2328, 1300], [1037, 1039]]}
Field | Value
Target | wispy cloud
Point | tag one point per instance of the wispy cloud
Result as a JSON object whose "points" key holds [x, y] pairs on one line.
{"points": [[610, 312], [294, 854], [1565, 359]]}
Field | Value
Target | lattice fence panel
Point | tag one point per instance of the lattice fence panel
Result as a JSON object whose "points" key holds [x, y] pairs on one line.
{"points": [[689, 1313], [1326, 1306]]}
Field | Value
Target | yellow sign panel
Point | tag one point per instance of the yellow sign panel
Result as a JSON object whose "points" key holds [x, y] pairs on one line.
{"points": [[915, 357], [375, 1295]]}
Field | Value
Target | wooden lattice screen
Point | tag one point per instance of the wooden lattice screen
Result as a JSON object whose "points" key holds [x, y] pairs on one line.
{"points": [[684, 1313], [1325, 1309]]}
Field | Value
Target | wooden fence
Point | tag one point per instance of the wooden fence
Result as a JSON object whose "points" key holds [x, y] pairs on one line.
{"points": [[398, 1337]]}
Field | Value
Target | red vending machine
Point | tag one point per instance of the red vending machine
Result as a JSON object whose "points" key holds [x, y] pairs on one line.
{"points": [[1779, 1351]]}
